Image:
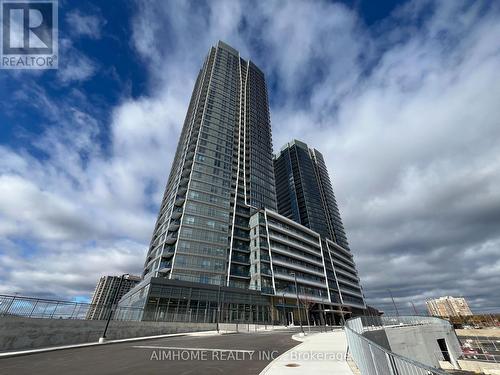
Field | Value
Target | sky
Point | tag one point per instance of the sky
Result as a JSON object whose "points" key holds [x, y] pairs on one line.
{"points": [[402, 99]]}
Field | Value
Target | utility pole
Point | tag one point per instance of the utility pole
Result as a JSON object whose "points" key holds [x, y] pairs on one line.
{"points": [[113, 302], [298, 304], [394, 303]]}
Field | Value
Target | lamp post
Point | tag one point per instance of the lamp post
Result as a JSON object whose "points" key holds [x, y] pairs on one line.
{"points": [[298, 304], [342, 314], [103, 338], [284, 312], [323, 310], [218, 309]]}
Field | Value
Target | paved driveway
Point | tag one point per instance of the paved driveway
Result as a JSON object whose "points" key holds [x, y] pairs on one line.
{"points": [[225, 354]]}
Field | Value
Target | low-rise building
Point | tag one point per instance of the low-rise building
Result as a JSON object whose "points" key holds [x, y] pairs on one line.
{"points": [[284, 254]]}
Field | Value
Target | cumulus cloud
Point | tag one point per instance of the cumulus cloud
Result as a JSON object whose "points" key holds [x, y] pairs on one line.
{"points": [[405, 113], [75, 66], [68, 271], [86, 25]]}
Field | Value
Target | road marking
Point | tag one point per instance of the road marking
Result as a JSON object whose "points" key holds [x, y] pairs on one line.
{"points": [[202, 349]]}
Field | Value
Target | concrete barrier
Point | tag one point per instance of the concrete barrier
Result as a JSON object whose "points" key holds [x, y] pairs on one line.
{"points": [[247, 328], [31, 333]]}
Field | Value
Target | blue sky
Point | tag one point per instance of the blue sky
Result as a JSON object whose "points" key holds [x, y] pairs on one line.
{"points": [[401, 98]]}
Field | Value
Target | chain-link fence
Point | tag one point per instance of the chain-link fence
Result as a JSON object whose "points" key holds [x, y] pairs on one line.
{"points": [[198, 312], [42, 308]]}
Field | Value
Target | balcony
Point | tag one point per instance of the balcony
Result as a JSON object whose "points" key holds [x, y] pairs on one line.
{"points": [[239, 258], [284, 240], [176, 213], [347, 282], [266, 290], [240, 273], [345, 291], [348, 261], [266, 271], [333, 246], [168, 252], [297, 256], [179, 201], [288, 277], [296, 266], [264, 256], [347, 274], [293, 233], [290, 293], [171, 239], [174, 225]]}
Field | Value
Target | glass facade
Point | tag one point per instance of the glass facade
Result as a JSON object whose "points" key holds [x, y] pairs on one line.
{"points": [[222, 170], [217, 226], [305, 193], [164, 300], [282, 250]]}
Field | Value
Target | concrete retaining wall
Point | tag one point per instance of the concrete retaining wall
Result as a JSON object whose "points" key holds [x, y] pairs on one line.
{"points": [[379, 337], [30, 333], [420, 342]]}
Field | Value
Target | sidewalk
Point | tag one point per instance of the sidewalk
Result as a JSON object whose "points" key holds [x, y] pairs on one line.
{"points": [[320, 353]]}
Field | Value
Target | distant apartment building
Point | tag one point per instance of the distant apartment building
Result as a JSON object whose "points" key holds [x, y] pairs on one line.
{"points": [[448, 307], [109, 289]]}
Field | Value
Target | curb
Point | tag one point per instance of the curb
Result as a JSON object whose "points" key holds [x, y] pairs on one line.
{"points": [[277, 359]]}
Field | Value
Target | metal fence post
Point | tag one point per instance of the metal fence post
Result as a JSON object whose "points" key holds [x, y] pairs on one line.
{"points": [[33, 309], [10, 305], [54, 311]]}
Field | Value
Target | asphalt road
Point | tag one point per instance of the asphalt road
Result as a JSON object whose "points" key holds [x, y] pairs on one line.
{"points": [[175, 355]]}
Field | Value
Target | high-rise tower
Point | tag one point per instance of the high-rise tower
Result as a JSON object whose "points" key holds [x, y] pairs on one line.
{"points": [[222, 169], [305, 193], [219, 250]]}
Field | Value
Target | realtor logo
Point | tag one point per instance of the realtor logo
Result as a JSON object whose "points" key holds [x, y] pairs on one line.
{"points": [[28, 34]]}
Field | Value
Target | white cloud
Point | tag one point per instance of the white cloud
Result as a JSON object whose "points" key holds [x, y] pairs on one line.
{"points": [[68, 271], [74, 65], [86, 25]]}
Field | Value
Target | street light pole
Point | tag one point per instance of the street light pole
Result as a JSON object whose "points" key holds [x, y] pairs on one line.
{"points": [[218, 308], [323, 311], [298, 304], [284, 312], [103, 338]]}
